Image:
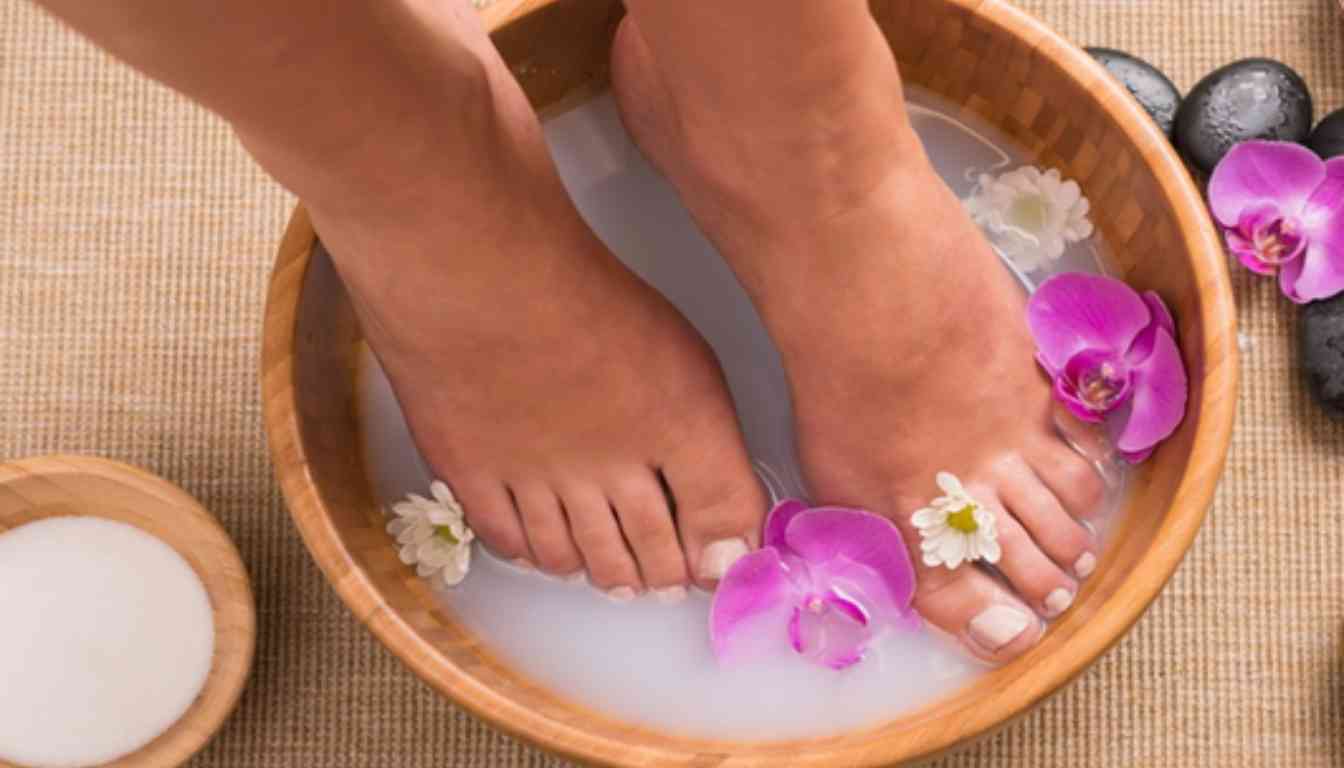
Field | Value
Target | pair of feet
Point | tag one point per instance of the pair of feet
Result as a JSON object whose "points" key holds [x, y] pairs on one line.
{"points": [[583, 423]]}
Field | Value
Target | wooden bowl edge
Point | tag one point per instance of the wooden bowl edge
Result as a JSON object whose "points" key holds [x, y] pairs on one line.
{"points": [[1190, 503], [185, 738]]}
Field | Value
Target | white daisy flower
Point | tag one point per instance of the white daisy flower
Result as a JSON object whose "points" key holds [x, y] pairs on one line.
{"points": [[1030, 215], [956, 528], [433, 534]]}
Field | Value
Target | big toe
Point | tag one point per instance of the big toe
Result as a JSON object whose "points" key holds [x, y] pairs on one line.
{"points": [[972, 606], [720, 505]]}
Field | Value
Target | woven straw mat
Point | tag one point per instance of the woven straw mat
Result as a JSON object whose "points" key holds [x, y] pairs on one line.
{"points": [[135, 239]]}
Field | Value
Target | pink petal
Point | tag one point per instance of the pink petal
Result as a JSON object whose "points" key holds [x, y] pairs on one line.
{"points": [[859, 550], [1319, 274], [1245, 252], [1094, 362], [1258, 171], [837, 600], [1138, 457], [1143, 343], [777, 522], [755, 585], [1289, 274], [1161, 315], [829, 637], [1064, 393], [1074, 311], [1326, 201], [1264, 221], [845, 659], [796, 631], [1158, 403]]}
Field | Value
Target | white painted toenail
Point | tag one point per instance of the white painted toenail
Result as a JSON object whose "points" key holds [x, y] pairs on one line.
{"points": [[997, 626], [621, 594], [1058, 601], [1085, 565], [670, 595], [577, 577], [719, 556]]}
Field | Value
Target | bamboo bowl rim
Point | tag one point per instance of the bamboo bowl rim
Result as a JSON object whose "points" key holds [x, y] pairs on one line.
{"points": [[83, 486], [1016, 687]]}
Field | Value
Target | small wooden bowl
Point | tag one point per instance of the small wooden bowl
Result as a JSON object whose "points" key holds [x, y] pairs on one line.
{"points": [[76, 486], [982, 56]]}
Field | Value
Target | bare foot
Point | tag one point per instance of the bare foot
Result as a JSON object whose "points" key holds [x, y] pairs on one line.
{"points": [[904, 338], [574, 412]]}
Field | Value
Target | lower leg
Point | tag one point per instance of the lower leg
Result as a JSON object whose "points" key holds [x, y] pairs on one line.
{"points": [[569, 438], [785, 130], [490, 303]]}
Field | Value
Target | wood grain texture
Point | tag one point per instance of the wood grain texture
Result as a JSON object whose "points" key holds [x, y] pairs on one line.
{"points": [[987, 59], [77, 486]]}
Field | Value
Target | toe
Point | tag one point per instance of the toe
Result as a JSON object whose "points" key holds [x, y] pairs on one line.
{"points": [[646, 520], [719, 508], [491, 514], [972, 606], [1071, 478], [1059, 535], [592, 522], [1038, 580], [546, 528]]}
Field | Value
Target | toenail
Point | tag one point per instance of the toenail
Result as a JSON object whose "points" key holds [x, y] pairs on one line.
{"points": [[1085, 565], [621, 594], [998, 626], [719, 556], [522, 564], [670, 595], [577, 577], [1058, 602]]}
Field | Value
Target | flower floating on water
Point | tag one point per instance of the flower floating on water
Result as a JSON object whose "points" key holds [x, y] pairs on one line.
{"points": [[433, 534], [1113, 357], [828, 578], [1031, 215], [1282, 212], [956, 528]]}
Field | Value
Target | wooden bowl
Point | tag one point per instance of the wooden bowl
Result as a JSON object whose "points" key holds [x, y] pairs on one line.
{"points": [[983, 56], [76, 486]]}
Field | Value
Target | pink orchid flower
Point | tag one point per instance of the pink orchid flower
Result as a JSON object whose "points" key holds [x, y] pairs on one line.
{"points": [[1113, 357], [832, 579], [1282, 212]]}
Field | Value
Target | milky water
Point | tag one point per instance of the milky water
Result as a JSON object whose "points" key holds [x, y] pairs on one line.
{"points": [[645, 661], [107, 639]]}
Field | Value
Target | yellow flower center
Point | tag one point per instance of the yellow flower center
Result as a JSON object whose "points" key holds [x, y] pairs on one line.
{"points": [[964, 520], [1029, 213], [446, 533]]}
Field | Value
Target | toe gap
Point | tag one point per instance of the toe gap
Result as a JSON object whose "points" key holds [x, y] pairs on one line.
{"points": [[625, 539], [667, 491], [518, 518]]}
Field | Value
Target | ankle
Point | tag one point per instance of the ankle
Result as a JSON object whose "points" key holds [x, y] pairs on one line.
{"points": [[876, 271], [394, 149]]}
